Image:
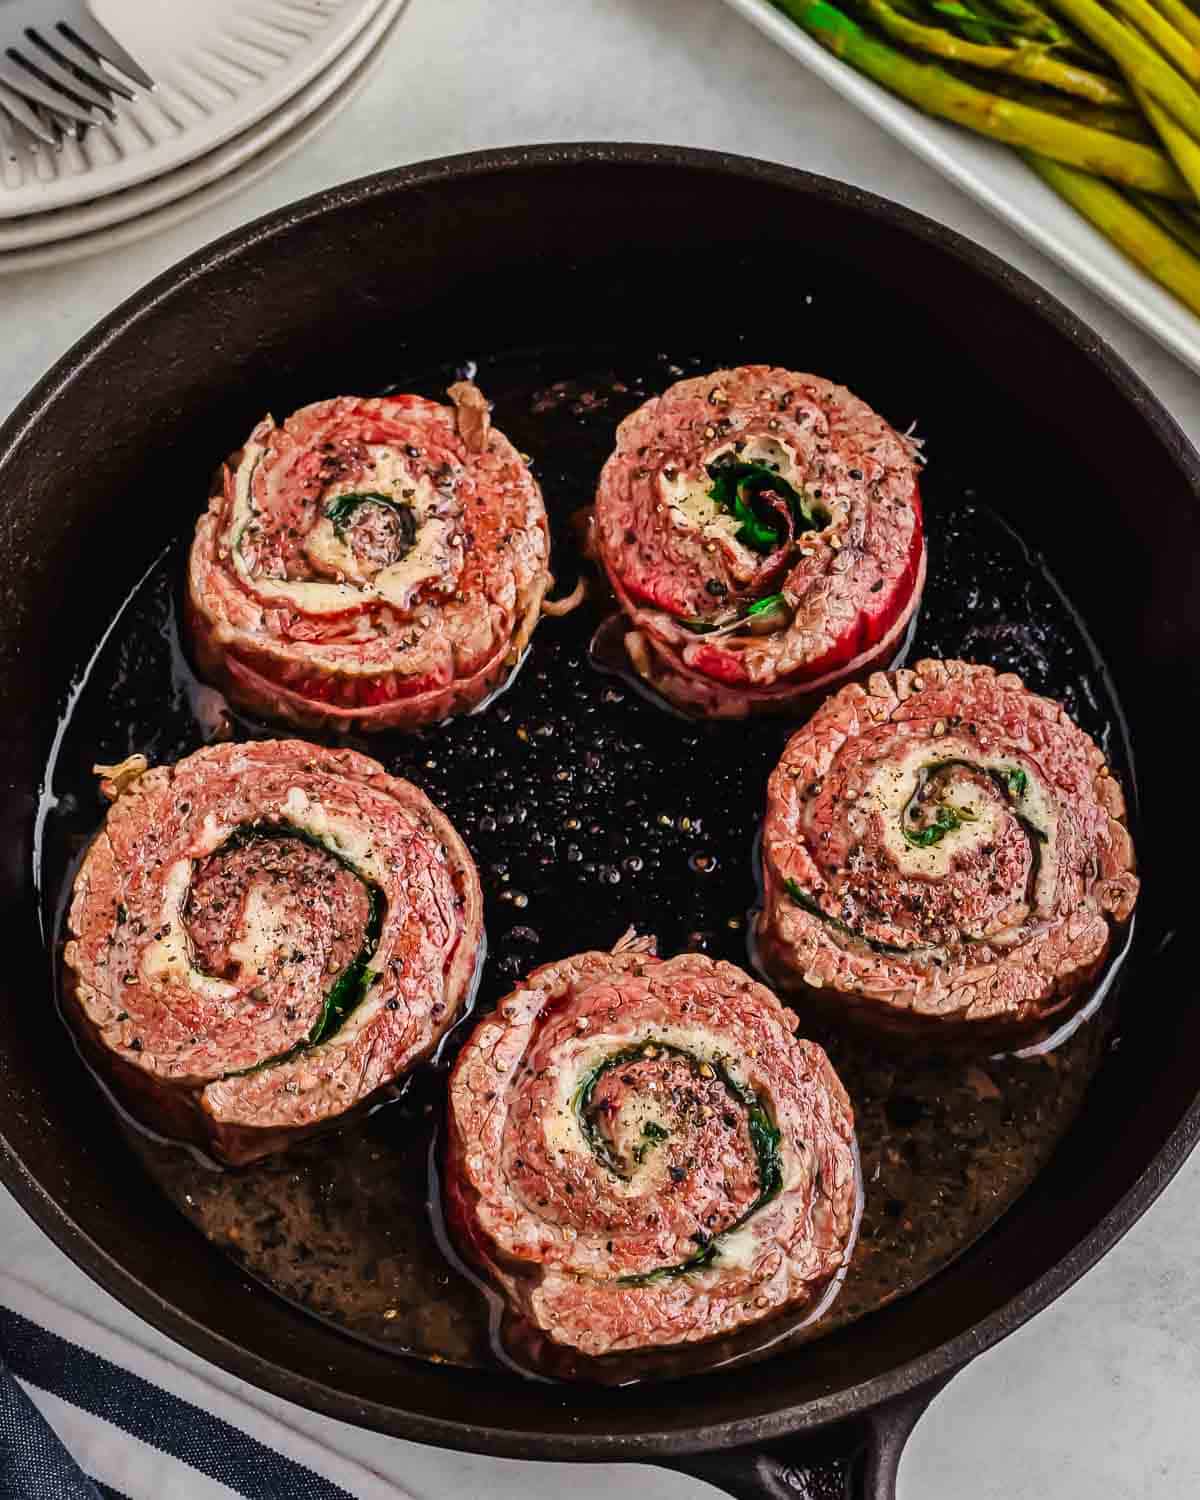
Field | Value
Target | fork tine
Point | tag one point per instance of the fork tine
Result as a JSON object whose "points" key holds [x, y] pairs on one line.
{"points": [[87, 32], [75, 57], [12, 135], [16, 138], [19, 110], [34, 91], [54, 75], [63, 128]]}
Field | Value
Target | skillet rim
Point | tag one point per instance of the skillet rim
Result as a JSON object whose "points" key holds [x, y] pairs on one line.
{"points": [[924, 1374]]}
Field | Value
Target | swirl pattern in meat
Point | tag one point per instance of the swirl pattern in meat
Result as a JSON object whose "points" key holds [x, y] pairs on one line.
{"points": [[762, 532], [943, 849], [370, 564], [642, 1153], [263, 936]]}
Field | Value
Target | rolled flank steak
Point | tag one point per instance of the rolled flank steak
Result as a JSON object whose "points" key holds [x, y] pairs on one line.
{"points": [[762, 532], [945, 855], [370, 564], [263, 936], [642, 1153]]}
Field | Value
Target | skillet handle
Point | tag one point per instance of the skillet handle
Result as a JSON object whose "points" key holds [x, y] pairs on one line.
{"points": [[854, 1461]]}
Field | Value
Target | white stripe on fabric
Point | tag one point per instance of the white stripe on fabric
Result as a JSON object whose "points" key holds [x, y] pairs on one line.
{"points": [[263, 1426], [110, 1454]]}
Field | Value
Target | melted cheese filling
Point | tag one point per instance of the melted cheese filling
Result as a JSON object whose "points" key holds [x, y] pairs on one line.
{"points": [[890, 787], [168, 959], [560, 1128], [264, 933], [435, 555], [352, 842], [691, 507]]}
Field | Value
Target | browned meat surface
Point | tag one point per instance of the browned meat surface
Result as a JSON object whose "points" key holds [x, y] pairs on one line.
{"points": [[642, 1153], [943, 850], [762, 532], [264, 935], [317, 904], [376, 564]]}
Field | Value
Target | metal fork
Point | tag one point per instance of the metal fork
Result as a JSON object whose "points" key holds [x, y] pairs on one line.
{"points": [[60, 69]]}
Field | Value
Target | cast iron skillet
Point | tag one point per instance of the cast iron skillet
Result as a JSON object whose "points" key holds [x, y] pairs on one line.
{"points": [[549, 245]]}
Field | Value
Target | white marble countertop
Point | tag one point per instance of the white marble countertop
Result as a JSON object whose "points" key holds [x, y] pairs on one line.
{"points": [[1097, 1398]]}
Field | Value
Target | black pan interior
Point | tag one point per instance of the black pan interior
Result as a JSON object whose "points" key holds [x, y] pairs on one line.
{"points": [[605, 251]]}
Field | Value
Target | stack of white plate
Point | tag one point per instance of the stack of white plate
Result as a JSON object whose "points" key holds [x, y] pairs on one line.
{"points": [[240, 84]]}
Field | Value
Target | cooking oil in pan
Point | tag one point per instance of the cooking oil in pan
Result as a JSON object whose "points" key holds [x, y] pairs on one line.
{"points": [[589, 809]]}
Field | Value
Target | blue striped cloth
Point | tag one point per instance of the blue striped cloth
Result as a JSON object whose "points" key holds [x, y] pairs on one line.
{"points": [[86, 1414], [32, 1459], [94, 1402], [35, 1464]]}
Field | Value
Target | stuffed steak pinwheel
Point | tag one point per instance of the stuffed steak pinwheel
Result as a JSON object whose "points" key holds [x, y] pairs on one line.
{"points": [[944, 853], [264, 935], [370, 564], [642, 1153], [762, 532]]}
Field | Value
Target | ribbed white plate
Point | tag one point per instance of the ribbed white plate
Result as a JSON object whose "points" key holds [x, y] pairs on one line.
{"points": [[995, 177], [167, 201], [220, 66]]}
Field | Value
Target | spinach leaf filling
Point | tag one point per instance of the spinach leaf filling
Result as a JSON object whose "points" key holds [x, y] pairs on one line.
{"points": [[809, 904], [945, 820], [741, 489], [1013, 783], [761, 606], [745, 612], [349, 989], [758, 498], [764, 1137], [652, 1132], [341, 510]]}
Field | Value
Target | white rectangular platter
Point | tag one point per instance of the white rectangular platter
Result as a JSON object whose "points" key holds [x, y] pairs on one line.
{"points": [[997, 178]]}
